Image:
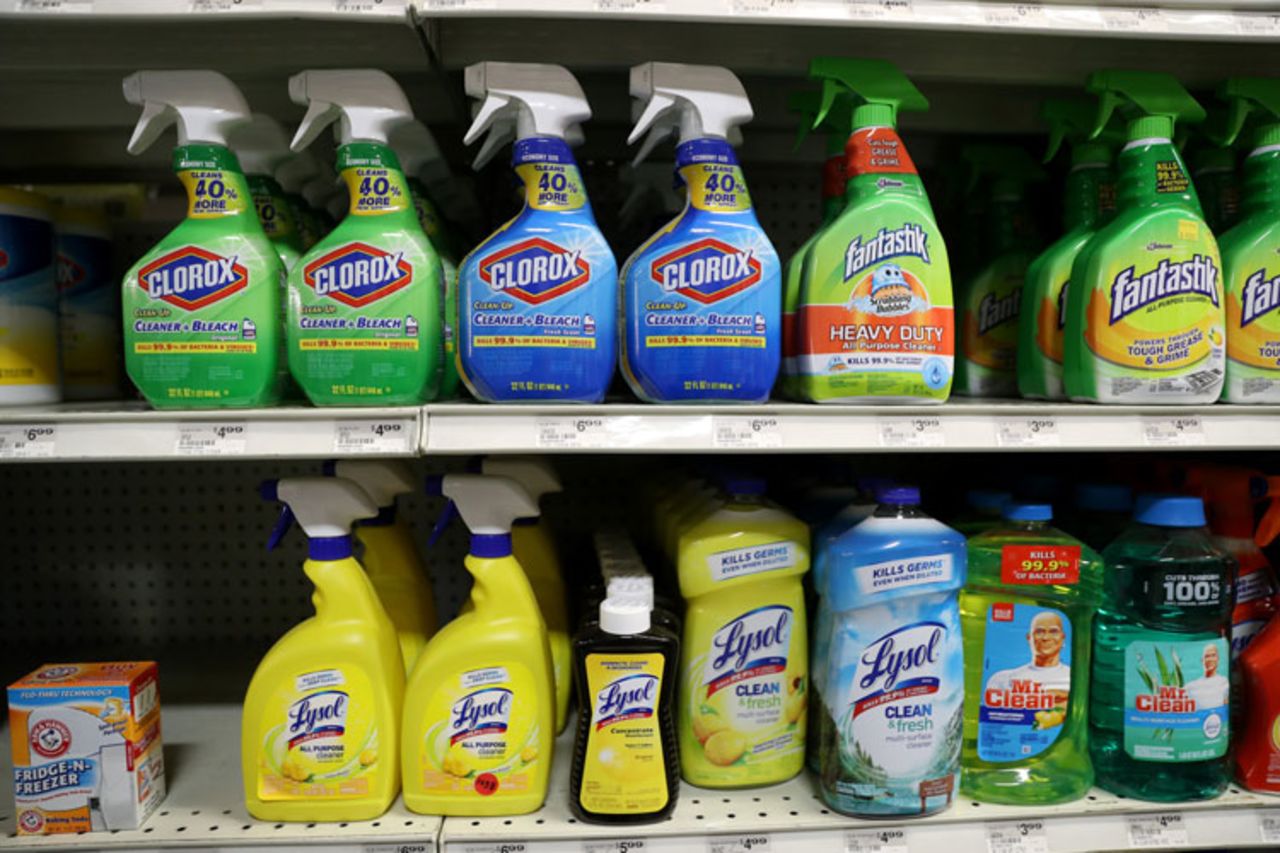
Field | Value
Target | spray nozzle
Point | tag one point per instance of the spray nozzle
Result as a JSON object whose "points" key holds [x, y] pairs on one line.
{"points": [[700, 100], [1151, 101], [1071, 120], [835, 122], [419, 155], [1247, 97], [488, 505], [367, 104], [543, 100], [324, 507], [382, 479], [295, 173], [880, 90], [205, 106], [261, 145], [535, 475]]}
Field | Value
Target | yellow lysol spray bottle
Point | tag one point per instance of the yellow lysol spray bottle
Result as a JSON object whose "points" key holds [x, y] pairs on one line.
{"points": [[321, 724], [479, 712], [390, 556], [535, 550]]}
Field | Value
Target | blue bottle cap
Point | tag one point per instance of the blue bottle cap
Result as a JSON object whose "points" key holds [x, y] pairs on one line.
{"points": [[1169, 511], [987, 500], [902, 495], [1028, 512], [1104, 497], [744, 485]]}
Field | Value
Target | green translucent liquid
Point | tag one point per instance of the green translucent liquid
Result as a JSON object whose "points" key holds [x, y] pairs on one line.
{"points": [[1136, 609], [1061, 772]]}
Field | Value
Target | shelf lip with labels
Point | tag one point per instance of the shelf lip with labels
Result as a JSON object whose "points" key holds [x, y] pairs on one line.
{"points": [[456, 428], [1201, 21], [122, 431], [157, 10]]}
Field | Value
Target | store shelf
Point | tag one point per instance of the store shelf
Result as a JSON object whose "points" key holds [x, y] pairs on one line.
{"points": [[205, 805], [133, 431], [790, 818], [1198, 20], [175, 9], [783, 427]]}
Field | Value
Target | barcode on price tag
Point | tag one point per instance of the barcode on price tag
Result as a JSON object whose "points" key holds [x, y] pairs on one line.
{"points": [[387, 437], [572, 432], [358, 6], [1269, 827], [36, 441], [630, 5], [397, 848], [761, 6], [1156, 830], [226, 438], [1027, 432], [911, 432], [1024, 836], [744, 432], [624, 846], [1013, 14], [1144, 20], [210, 6], [1173, 431], [739, 844], [77, 6], [870, 10], [875, 841], [1257, 25], [492, 847]]}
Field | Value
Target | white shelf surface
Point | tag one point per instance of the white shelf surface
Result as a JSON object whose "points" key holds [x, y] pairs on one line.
{"points": [[112, 431], [1197, 19], [790, 818], [787, 427], [205, 804]]}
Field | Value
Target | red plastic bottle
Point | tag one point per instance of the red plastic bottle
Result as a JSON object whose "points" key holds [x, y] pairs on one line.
{"points": [[1257, 753]]}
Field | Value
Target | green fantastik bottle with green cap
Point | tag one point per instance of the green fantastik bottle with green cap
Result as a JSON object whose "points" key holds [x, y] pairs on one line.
{"points": [[1145, 320], [365, 303], [202, 308], [1088, 200]]}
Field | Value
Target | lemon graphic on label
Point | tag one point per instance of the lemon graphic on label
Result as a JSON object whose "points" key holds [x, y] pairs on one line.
{"points": [[457, 761], [725, 747]]}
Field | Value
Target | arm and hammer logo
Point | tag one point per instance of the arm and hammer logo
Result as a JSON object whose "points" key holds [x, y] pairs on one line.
{"points": [[191, 278], [706, 271], [357, 274]]}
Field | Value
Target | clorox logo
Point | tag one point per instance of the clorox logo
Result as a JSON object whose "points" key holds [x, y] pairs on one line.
{"points": [[70, 273], [192, 278], [706, 271], [358, 274], [535, 270]]}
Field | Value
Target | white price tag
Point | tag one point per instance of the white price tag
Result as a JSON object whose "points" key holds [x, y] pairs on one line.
{"points": [[1134, 20], [761, 6], [1269, 827], [911, 432], [495, 847], [630, 5], [875, 841], [572, 432], [627, 845], [211, 6], [212, 439], [1027, 432], [739, 844], [744, 432], [450, 5], [359, 6], [879, 9], [1013, 14], [373, 436], [397, 848], [34, 441], [1023, 836], [1257, 25], [1173, 430], [78, 6], [1157, 830]]}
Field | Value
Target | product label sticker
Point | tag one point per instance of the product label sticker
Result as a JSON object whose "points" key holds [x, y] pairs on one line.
{"points": [[1037, 565], [907, 572], [320, 738], [1026, 681], [1254, 586], [213, 192], [1176, 695], [625, 769], [752, 560]]}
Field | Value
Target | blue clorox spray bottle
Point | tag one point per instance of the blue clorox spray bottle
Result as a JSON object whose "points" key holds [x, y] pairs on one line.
{"points": [[538, 298], [701, 299]]}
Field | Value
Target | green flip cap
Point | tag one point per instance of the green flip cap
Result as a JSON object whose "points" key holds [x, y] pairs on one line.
{"points": [[835, 122], [880, 90], [1071, 120], [1151, 101], [1250, 97]]}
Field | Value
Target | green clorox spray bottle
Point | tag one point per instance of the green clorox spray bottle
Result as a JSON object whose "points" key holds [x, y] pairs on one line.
{"points": [[365, 318], [1089, 198], [1145, 321], [991, 299], [262, 148], [1251, 250], [202, 308]]}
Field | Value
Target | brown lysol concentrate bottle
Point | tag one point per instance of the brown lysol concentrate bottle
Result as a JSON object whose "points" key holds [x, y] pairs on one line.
{"points": [[626, 764]]}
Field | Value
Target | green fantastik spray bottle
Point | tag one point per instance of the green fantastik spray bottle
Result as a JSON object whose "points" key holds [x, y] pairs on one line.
{"points": [[1089, 198], [1251, 250], [991, 298], [421, 159], [262, 147], [835, 126], [875, 319], [364, 319], [202, 308], [1145, 319], [1215, 174]]}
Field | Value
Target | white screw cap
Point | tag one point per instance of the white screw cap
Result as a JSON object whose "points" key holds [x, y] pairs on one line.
{"points": [[624, 616]]}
